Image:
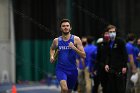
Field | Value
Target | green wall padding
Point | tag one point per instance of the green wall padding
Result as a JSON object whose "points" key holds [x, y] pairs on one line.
{"points": [[32, 60]]}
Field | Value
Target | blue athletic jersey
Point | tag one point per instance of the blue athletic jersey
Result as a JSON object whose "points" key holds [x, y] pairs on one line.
{"points": [[91, 52], [136, 51], [131, 50], [66, 55]]}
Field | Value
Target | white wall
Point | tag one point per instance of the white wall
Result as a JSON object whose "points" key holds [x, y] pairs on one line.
{"points": [[5, 42]]}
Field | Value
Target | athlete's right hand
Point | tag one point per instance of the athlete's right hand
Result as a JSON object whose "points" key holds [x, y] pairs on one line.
{"points": [[52, 59]]}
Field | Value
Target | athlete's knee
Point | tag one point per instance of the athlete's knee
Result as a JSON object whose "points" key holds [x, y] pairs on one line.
{"points": [[64, 89], [88, 88]]}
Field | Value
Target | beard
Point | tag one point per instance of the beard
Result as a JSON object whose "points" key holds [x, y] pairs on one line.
{"points": [[65, 33]]}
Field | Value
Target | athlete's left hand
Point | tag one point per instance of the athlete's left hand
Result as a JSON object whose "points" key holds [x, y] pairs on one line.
{"points": [[71, 45]]}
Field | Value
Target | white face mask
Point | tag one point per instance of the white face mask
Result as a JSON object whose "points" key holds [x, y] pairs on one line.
{"points": [[112, 35]]}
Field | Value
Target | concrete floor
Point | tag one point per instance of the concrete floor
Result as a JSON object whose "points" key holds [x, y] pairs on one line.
{"points": [[23, 88]]}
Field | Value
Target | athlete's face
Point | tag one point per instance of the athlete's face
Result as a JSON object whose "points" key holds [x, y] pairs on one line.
{"points": [[65, 28]]}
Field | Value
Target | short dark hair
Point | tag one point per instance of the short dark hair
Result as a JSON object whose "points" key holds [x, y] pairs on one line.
{"points": [[65, 20], [131, 37], [110, 27], [89, 39]]}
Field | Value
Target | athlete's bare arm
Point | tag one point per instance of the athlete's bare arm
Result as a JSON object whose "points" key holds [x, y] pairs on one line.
{"points": [[78, 47], [52, 49], [133, 66]]}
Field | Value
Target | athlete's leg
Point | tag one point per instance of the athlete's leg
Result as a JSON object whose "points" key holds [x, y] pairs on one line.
{"points": [[63, 85], [70, 91], [72, 79], [81, 81], [62, 78], [88, 81]]}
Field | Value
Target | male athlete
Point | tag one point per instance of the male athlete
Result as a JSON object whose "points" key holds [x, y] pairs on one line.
{"points": [[68, 46]]}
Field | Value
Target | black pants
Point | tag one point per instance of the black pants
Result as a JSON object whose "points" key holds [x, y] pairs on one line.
{"points": [[101, 78], [96, 84], [116, 84]]}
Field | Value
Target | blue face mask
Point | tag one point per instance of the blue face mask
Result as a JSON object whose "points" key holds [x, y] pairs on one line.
{"points": [[112, 35]]}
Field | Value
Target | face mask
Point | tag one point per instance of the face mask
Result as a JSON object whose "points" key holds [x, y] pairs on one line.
{"points": [[112, 35], [106, 37]]}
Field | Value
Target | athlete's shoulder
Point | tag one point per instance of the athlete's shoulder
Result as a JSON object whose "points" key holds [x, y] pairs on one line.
{"points": [[129, 45], [56, 39], [76, 37]]}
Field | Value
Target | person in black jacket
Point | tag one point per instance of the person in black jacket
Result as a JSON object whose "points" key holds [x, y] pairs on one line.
{"points": [[102, 56], [116, 66]]}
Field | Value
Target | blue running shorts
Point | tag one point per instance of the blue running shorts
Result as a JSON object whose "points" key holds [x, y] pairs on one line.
{"points": [[69, 75]]}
